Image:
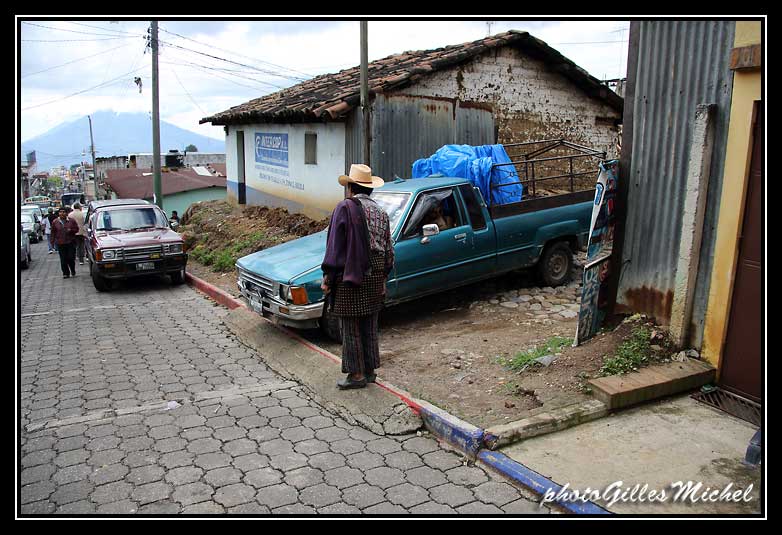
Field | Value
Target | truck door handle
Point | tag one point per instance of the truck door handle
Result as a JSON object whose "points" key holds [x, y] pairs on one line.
{"points": [[461, 236], [425, 240]]}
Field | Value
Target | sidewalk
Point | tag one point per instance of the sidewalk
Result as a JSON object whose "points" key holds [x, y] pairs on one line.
{"points": [[675, 439]]}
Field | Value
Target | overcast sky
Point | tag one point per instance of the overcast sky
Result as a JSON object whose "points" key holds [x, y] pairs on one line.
{"points": [[75, 56]]}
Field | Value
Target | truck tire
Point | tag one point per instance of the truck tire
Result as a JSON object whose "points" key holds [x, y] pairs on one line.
{"points": [[555, 264], [177, 277], [331, 326], [101, 284]]}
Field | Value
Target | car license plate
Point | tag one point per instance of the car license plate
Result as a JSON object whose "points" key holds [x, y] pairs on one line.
{"points": [[144, 266]]}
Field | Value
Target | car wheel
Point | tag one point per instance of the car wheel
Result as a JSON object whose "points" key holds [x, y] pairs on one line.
{"points": [[555, 264], [26, 262], [178, 277], [100, 283], [331, 326]]}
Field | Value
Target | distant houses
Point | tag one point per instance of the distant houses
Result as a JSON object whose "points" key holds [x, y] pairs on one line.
{"points": [[181, 186]]}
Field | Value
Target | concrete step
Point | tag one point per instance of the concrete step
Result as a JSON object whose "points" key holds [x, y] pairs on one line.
{"points": [[652, 382]]}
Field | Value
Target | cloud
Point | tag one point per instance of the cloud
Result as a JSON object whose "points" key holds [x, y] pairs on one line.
{"points": [[268, 55]]}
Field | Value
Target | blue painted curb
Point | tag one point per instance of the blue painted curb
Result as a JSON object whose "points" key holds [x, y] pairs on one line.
{"points": [[536, 482], [460, 434]]}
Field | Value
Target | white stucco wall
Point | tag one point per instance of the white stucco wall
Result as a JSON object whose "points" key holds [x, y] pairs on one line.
{"points": [[307, 188]]}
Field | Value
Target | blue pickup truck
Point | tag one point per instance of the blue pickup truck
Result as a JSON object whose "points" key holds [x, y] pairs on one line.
{"points": [[445, 235]]}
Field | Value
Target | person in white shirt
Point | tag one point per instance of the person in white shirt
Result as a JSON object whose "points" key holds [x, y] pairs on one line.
{"points": [[78, 216], [47, 230]]}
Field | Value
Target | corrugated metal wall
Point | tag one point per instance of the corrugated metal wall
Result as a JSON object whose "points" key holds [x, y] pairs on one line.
{"points": [[406, 128], [680, 64]]}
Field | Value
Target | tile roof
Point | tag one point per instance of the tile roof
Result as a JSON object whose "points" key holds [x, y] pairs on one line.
{"points": [[133, 184], [331, 96]]}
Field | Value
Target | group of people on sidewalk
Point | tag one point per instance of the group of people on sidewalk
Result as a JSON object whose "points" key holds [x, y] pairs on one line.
{"points": [[65, 235]]}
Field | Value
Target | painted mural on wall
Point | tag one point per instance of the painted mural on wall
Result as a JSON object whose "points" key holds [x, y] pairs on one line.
{"points": [[271, 160], [594, 297]]}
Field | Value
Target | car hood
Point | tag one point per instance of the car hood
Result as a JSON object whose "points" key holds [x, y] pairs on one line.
{"points": [[136, 239], [284, 262]]}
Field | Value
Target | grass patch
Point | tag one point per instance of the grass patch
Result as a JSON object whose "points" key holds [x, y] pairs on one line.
{"points": [[524, 359], [633, 353]]}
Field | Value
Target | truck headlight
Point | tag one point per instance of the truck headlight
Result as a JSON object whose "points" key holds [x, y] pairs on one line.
{"points": [[175, 248], [109, 254]]}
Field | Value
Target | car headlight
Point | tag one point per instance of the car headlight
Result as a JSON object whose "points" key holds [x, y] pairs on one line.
{"points": [[175, 248], [109, 254]]}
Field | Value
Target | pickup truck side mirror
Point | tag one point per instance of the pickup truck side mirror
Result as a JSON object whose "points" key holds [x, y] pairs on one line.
{"points": [[431, 230]]}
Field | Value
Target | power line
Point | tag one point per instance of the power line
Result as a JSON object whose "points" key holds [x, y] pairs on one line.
{"points": [[73, 61], [236, 63], [187, 92], [591, 42], [80, 92], [208, 69], [99, 28], [241, 55], [72, 40], [70, 31]]}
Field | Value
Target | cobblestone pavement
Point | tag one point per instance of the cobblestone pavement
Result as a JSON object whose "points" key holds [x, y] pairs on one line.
{"points": [[99, 433]]}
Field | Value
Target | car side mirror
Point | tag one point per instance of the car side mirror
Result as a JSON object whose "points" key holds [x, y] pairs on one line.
{"points": [[431, 230]]}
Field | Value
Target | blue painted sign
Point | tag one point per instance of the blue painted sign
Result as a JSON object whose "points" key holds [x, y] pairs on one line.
{"points": [[594, 299], [271, 149]]}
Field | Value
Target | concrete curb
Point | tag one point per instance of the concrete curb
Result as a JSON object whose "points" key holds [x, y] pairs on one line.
{"points": [[555, 419], [527, 477], [462, 435], [221, 296]]}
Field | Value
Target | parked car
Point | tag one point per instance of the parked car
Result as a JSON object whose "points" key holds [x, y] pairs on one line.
{"points": [[38, 213], [131, 237], [473, 242], [32, 225], [24, 251]]}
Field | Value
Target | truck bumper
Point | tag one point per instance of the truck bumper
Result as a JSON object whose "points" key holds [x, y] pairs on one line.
{"points": [[296, 316], [124, 270]]}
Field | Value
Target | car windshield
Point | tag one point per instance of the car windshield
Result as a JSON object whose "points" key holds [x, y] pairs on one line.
{"points": [[27, 218], [130, 219], [393, 204]]}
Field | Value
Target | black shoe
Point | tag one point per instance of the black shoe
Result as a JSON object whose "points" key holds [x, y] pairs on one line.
{"points": [[371, 377], [348, 382], [65, 276]]}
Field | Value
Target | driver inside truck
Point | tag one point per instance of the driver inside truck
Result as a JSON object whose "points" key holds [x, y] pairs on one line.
{"points": [[435, 216]]}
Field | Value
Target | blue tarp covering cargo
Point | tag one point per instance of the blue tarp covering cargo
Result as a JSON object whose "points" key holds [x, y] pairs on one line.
{"points": [[475, 164]]}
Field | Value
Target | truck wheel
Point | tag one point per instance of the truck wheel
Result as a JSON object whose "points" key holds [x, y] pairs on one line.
{"points": [[555, 264], [331, 326], [178, 277], [101, 284]]}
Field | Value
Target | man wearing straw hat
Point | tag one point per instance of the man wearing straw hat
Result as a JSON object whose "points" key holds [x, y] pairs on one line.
{"points": [[359, 257]]}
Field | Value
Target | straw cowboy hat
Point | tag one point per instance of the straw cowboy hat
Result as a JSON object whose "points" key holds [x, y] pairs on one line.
{"points": [[362, 175]]}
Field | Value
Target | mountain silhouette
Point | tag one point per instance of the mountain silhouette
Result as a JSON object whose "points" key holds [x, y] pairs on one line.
{"points": [[116, 134]]}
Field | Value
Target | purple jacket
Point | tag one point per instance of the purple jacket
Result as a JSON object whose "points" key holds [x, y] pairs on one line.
{"points": [[346, 251]]}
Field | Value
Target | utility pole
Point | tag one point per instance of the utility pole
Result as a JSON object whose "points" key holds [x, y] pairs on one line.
{"points": [[94, 170], [156, 119], [365, 90]]}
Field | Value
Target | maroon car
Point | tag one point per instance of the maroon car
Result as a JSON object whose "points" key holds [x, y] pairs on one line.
{"points": [[131, 237]]}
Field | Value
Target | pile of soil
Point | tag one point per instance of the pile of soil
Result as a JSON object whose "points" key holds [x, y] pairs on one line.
{"points": [[217, 233]]}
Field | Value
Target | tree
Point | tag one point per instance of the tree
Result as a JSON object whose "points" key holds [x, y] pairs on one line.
{"points": [[191, 148]]}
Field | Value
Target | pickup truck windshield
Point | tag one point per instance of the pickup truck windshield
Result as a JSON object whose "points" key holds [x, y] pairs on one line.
{"points": [[130, 219], [393, 204]]}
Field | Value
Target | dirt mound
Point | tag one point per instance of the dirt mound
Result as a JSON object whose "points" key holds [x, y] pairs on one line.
{"points": [[217, 233]]}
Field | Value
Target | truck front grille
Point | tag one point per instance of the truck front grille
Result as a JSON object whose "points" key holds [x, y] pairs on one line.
{"points": [[142, 253], [255, 283]]}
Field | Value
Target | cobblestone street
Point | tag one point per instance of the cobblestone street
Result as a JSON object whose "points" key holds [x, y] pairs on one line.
{"points": [[140, 401]]}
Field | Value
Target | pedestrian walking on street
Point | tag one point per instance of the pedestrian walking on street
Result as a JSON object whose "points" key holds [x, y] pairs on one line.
{"points": [[64, 231], [51, 216], [78, 216], [359, 256], [47, 231]]}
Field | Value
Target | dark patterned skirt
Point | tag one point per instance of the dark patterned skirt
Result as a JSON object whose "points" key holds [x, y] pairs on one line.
{"points": [[366, 299]]}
